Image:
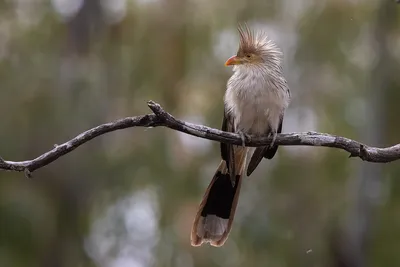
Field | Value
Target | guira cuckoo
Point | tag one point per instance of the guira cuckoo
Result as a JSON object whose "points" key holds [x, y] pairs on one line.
{"points": [[256, 98]]}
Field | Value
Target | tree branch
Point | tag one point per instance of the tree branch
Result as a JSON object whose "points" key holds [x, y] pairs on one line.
{"points": [[161, 118]]}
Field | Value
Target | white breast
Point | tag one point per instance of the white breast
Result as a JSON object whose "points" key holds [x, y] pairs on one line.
{"points": [[255, 101]]}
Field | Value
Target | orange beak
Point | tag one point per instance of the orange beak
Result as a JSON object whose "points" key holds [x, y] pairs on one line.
{"points": [[234, 60]]}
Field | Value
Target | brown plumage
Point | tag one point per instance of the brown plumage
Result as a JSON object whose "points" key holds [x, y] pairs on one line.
{"points": [[256, 98], [247, 40]]}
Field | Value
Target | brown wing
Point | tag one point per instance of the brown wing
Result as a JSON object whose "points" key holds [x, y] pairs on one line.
{"points": [[227, 151], [263, 151], [270, 152]]}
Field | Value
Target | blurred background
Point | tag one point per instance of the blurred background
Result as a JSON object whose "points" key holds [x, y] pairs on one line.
{"points": [[128, 198]]}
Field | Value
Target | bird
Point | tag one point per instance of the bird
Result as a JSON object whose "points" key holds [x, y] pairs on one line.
{"points": [[255, 100]]}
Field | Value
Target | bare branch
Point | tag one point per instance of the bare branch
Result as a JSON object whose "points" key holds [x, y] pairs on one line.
{"points": [[162, 118]]}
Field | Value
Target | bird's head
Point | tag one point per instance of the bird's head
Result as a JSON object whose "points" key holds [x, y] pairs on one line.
{"points": [[255, 50]]}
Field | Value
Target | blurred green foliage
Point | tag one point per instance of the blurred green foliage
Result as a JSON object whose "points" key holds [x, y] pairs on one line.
{"points": [[128, 198]]}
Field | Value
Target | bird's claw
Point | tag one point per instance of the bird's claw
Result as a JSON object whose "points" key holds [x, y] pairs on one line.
{"points": [[244, 137], [273, 136]]}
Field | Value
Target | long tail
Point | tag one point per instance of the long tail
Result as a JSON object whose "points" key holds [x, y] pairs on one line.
{"points": [[214, 217]]}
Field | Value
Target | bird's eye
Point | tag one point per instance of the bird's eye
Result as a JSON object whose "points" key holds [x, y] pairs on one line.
{"points": [[248, 56]]}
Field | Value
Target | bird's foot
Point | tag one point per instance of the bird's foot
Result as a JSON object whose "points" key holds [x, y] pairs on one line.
{"points": [[244, 137], [273, 136]]}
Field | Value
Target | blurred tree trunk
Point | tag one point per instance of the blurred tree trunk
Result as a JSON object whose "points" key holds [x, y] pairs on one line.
{"points": [[82, 31], [83, 27], [173, 54], [365, 191], [66, 188]]}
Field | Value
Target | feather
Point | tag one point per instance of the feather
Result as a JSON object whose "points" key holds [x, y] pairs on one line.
{"points": [[258, 43]]}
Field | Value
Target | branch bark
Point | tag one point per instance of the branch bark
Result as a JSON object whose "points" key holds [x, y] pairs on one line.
{"points": [[162, 118]]}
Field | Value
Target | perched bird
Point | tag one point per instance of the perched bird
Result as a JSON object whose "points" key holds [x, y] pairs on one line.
{"points": [[255, 101]]}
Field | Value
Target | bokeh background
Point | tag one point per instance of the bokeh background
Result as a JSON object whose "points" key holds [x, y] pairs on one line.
{"points": [[128, 198]]}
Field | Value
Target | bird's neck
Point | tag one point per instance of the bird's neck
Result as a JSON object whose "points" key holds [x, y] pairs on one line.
{"points": [[249, 74]]}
